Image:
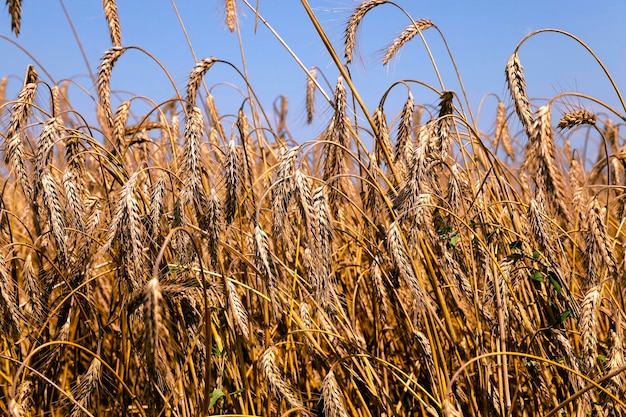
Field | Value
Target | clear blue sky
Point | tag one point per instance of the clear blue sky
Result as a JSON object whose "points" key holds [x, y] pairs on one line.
{"points": [[481, 35]]}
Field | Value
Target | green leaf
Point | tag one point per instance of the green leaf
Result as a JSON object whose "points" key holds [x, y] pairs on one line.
{"points": [[536, 254], [454, 240], [555, 283], [216, 395], [537, 276], [602, 358], [564, 316], [517, 245]]}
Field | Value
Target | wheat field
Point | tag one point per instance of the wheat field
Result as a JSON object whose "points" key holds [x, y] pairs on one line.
{"points": [[195, 261]]}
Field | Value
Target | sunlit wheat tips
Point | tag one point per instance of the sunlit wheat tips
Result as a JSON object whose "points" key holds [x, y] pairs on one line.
{"points": [[403, 38]]}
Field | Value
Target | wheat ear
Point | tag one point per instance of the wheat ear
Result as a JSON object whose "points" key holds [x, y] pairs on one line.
{"points": [[407, 34], [195, 77], [331, 396], [104, 81], [517, 87], [115, 30], [588, 328], [274, 376], [15, 11], [353, 25], [577, 118], [231, 14]]}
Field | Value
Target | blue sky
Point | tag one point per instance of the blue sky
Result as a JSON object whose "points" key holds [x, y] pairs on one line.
{"points": [[481, 35]]}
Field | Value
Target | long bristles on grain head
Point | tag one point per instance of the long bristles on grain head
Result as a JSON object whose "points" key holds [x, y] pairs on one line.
{"points": [[14, 135], [353, 26], [15, 11], [599, 248], [588, 327], [105, 70], [156, 333], [577, 118], [233, 178], [237, 309], [87, 389], [404, 140], [271, 370], [331, 397], [231, 14], [115, 30], [502, 131], [310, 94], [382, 145], [517, 86], [195, 77], [403, 38], [266, 266]]}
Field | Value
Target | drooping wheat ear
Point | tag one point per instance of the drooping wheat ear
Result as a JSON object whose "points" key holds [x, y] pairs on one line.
{"points": [[15, 11], [157, 204], [310, 94], [570, 356], [277, 382], [192, 160], [215, 224], [540, 160], [517, 86], [195, 78], [33, 308], [577, 118], [403, 38], [243, 128], [156, 333], [11, 316], [322, 232], [617, 354], [240, 315], [502, 131], [382, 144], [119, 126], [266, 266], [88, 387], [337, 135], [53, 203], [382, 298], [231, 14], [283, 189], [458, 188], [304, 202], [577, 181], [19, 117], [599, 248], [47, 139], [24, 405], [4, 81], [539, 226], [588, 328], [419, 218], [104, 81], [332, 397], [233, 181], [353, 25], [439, 144], [113, 19], [404, 141], [127, 228], [402, 262]]}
